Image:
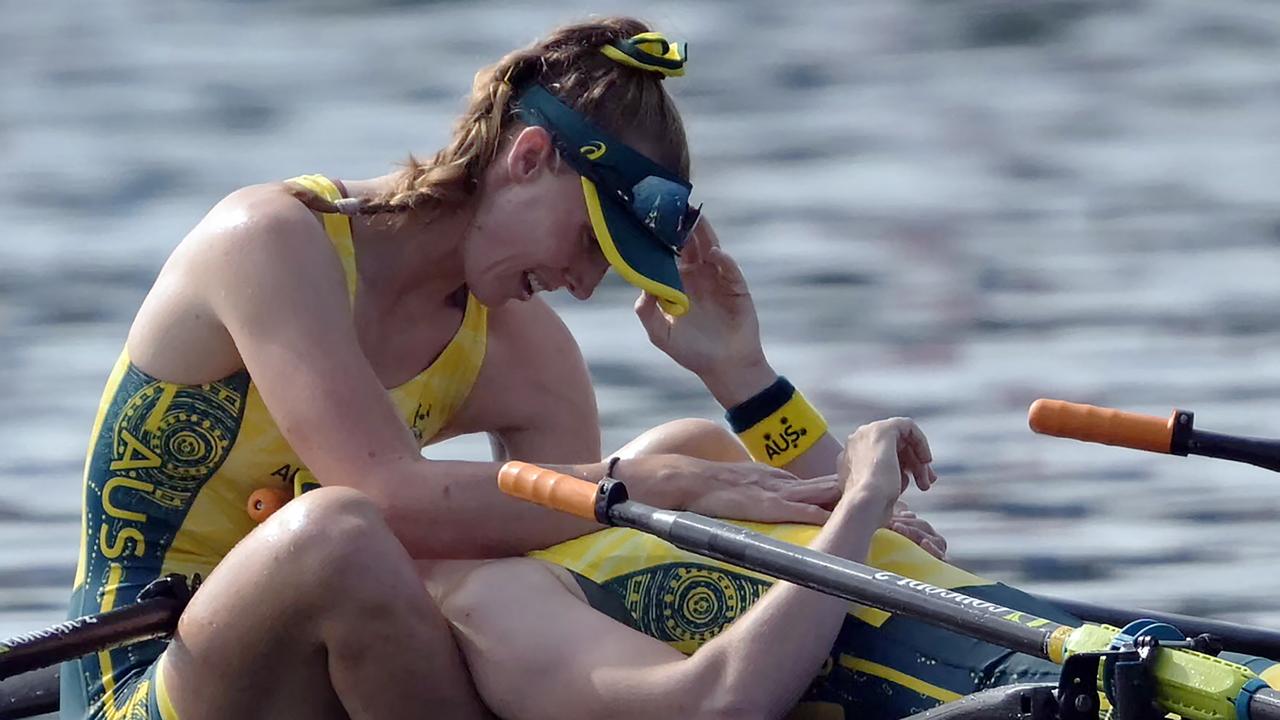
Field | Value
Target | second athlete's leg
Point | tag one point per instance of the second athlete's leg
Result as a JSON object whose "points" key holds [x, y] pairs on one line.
{"points": [[695, 437]]}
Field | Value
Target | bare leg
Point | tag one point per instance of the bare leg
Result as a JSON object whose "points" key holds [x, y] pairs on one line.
{"points": [[318, 613], [694, 437], [689, 436]]}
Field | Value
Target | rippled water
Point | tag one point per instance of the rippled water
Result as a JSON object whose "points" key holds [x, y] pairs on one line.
{"points": [[945, 209]]}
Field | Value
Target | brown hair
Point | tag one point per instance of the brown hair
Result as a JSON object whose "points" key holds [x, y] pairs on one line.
{"points": [[627, 102]]}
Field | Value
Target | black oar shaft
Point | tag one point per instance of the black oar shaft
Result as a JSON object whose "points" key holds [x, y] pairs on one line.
{"points": [[29, 694], [1261, 452], [843, 578], [71, 639]]}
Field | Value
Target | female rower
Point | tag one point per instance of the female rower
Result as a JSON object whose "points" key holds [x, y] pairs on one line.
{"points": [[321, 331]]}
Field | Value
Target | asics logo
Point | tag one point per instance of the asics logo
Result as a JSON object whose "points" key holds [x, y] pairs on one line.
{"points": [[593, 150]]}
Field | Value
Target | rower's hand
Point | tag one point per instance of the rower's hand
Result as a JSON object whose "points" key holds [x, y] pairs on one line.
{"points": [[720, 333], [739, 491], [881, 459], [905, 522]]}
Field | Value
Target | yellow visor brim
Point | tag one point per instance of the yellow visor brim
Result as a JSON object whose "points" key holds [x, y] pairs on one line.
{"points": [[639, 259]]}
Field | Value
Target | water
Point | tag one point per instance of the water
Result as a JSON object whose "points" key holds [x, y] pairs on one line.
{"points": [[945, 210]]}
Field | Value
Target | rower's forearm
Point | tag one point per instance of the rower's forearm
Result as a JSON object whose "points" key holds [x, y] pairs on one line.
{"points": [[734, 385], [820, 459], [762, 664], [454, 509]]}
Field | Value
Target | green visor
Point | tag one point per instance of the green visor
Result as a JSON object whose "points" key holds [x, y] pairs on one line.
{"points": [[639, 210]]}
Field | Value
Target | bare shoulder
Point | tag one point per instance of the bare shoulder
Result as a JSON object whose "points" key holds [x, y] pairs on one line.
{"points": [[531, 324], [533, 345], [240, 225], [533, 362], [241, 250]]}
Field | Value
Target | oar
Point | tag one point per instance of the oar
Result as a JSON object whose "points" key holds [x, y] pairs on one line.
{"points": [[154, 615], [29, 686], [1214, 686], [29, 694], [810, 568], [1175, 435]]}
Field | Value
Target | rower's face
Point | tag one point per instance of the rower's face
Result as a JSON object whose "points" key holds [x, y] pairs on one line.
{"points": [[531, 230]]}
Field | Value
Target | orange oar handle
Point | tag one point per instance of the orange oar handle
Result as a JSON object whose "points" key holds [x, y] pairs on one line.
{"points": [[549, 488], [1102, 425]]}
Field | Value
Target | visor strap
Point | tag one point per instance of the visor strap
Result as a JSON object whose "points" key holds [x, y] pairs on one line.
{"points": [[777, 424]]}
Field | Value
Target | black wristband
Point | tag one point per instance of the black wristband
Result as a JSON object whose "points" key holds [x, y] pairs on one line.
{"points": [[751, 411], [608, 471]]}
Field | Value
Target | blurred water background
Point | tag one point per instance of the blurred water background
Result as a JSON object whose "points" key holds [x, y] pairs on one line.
{"points": [[945, 208]]}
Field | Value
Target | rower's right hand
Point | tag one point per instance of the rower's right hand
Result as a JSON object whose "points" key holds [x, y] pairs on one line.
{"points": [[738, 491], [881, 459]]}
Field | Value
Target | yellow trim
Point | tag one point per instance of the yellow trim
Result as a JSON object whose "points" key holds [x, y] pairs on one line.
{"points": [[673, 301], [866, 667], [167, 711], [108, 392], [337, 226], [108, 674], [786, 434], [1057, 643]]}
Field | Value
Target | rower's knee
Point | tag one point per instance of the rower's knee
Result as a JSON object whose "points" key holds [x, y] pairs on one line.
{"points": [[695, 437], [326, 514], [333, 534]]}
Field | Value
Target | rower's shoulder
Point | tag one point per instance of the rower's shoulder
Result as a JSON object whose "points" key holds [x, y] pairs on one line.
{"points": [[257, 245], [535, 352], [267, 208], [529, 327], [533, 316], [261, 223]]}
